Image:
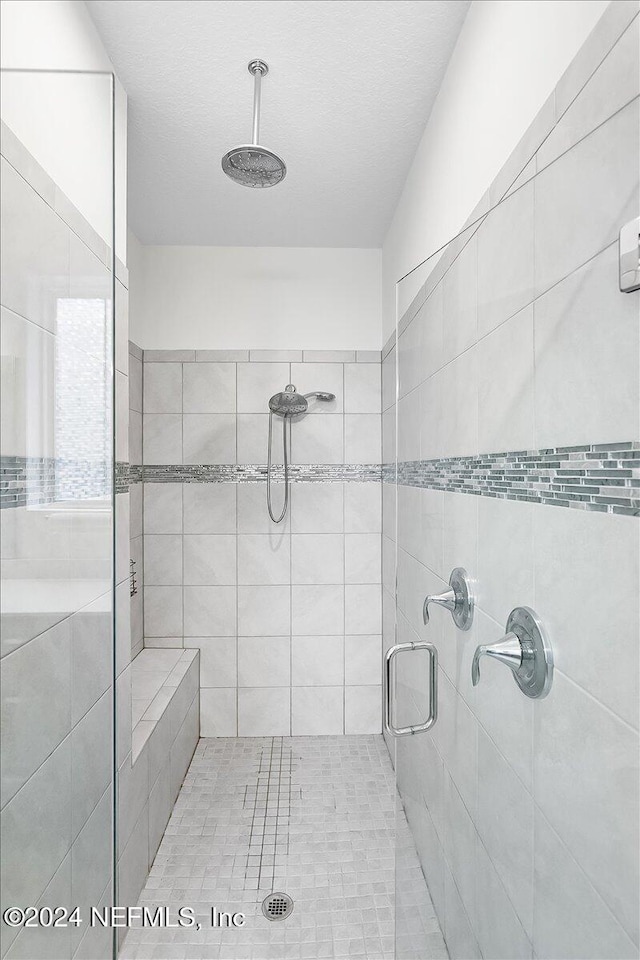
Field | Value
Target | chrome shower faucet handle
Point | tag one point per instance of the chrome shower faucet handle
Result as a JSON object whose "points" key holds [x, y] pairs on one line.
{"points": [[458, 600], [525, 649]]}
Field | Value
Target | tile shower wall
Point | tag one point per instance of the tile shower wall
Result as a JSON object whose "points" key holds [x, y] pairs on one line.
{"points": [[286, 617], [525, 812], [57, 686]]}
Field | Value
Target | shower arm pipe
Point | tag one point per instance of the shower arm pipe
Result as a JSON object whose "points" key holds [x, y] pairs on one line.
{"points": [[255, 133], [258, 69]]}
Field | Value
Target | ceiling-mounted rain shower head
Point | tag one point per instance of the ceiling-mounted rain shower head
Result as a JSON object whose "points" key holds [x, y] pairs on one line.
{"points": [[252, 165]]}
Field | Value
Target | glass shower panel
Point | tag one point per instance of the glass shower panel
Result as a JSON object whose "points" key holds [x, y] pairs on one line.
{"points": [[517, 459], [57, 666]]}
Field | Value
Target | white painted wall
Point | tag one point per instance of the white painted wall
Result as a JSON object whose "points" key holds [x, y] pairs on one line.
{"points": [[509, 56], [64, 120], [254, 298]]}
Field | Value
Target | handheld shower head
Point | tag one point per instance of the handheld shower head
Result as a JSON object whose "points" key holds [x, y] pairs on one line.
{"points": [[320, 395]]}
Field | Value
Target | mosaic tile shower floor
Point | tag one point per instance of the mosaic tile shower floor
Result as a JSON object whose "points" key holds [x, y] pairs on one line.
{"points": [[313, 817]]}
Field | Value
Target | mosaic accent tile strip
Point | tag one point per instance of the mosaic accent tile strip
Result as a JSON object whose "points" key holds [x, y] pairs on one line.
{"points": [[252, 472], [39, 480], [125, 475], [603, 477]]}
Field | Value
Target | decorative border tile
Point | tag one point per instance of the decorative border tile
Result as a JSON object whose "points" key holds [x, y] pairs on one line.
{"points": [[256, 472], [603, 477], [125, 475], [32, 480], [597, 477]]}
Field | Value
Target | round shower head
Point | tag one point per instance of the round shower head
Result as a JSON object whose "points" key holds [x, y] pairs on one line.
{"points": [[290, 403], [254, 166]]}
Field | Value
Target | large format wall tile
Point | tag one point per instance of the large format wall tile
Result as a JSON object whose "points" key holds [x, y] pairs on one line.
{"points": [[209, 438], [209, 508], [362, 386], [506, 386], [264, 712], [318, 507], [362, 709], [586, 581], [91, 859], [505, 826], [90, 767], [329, 377], [505, 270], [264, 661], [162, 388], [36, 698], [263, 559], [35, 252], [209, 560], [163, 508], [317, 711], [317, 661], [34, 845], [318, 440], [209, 388], [162, 438], [460, 303], [219, 712], [613, 85], [501, 936], [586, 783], [572, 921], [579, 326], [257, 382], [583, 199], [209, 610], [264, 611], [28, 352], [317, 558]]}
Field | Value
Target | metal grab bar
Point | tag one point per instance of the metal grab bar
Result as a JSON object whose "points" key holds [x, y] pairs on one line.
{"points": [[389, 678]]}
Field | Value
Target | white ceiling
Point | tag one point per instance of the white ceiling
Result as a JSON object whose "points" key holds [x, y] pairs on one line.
{"points": [[350, 88]]}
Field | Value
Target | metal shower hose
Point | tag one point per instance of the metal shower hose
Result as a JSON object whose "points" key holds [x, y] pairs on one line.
{"points": [[286, 467]]}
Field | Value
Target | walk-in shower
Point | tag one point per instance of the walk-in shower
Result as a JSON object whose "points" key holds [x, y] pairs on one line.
{"points": [[334, 727], [287, 405]]}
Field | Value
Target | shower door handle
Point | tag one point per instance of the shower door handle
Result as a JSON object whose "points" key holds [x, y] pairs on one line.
{"points": [[389, 679]]}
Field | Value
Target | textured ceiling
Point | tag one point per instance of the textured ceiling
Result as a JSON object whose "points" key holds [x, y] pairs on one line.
{"points": [[350, 87]]}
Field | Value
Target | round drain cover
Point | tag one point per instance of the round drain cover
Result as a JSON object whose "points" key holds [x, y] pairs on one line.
{"points": [[277, 906]]}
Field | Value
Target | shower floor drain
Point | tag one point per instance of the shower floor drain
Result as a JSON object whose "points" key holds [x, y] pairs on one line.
{"points": [[277, 906]]}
